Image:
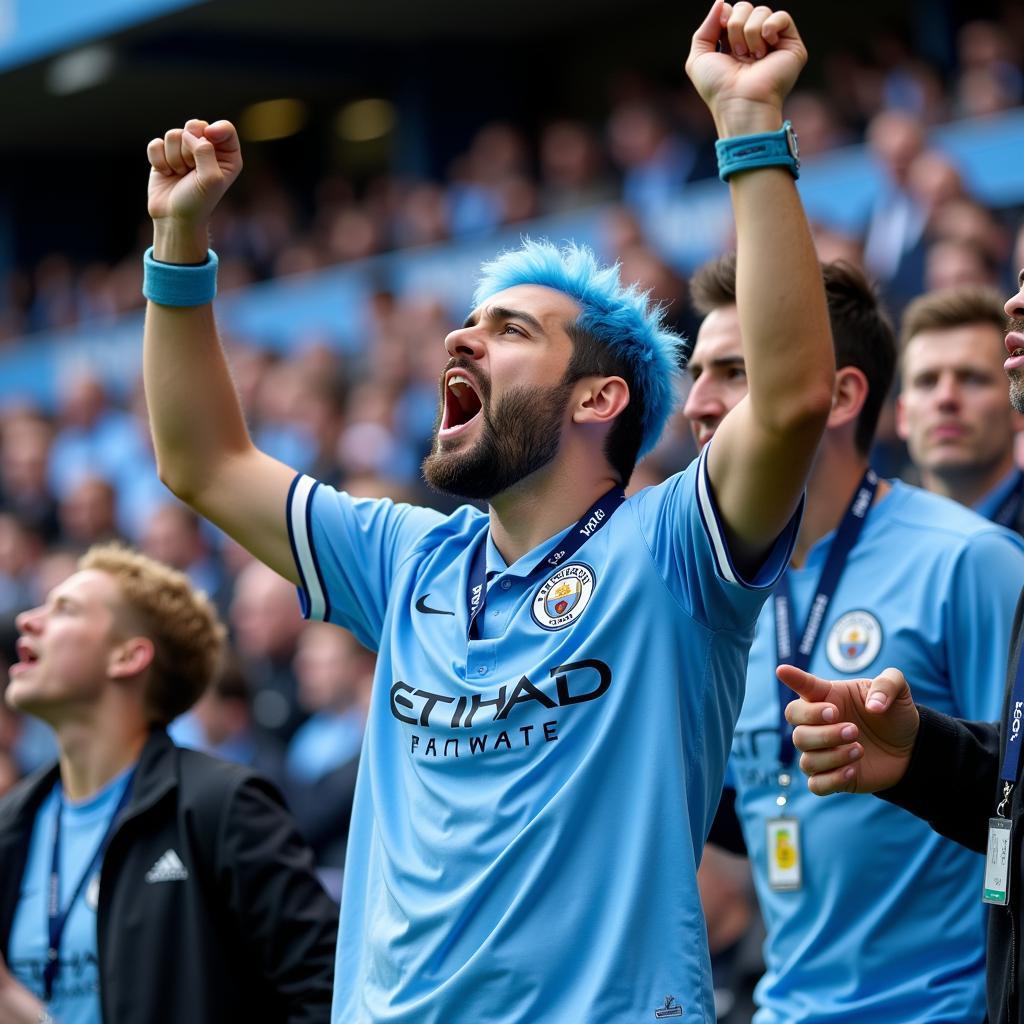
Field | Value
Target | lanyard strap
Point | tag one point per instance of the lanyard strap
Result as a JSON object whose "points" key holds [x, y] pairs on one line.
{"points": [[1009, 508], [57, 918], [1013, 728], [785, 628], [594, 519]]}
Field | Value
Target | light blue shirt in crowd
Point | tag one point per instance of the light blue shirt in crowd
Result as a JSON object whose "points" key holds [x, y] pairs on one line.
{"points": [[532, 805], [325, 741], [76, 993], [889, 924]]}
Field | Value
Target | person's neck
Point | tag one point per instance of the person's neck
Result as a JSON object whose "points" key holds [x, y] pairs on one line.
{"points": [[543, 505], [967, 485], [837, 471], [94, 753]]}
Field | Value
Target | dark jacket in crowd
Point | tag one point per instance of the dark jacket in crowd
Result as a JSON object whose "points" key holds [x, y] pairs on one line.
{"points": [[248, 935], [953, 784]]}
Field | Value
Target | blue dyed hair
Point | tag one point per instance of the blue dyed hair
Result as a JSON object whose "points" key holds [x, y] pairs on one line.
{"points": [[620, 317]]}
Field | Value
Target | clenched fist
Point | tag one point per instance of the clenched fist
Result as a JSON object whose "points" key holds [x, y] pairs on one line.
{"points": [[743, 61], [191, 169]]}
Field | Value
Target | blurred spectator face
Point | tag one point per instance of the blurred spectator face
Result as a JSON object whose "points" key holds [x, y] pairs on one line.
{"points": [[718, 373], [814, 122], [332, 668], [896, 139], [87, 514], [23, 457], [422, 216], [952, 263], [953, 410], [934, 180], [265, 613], [641, 264], [83, 402], [172, 535], [20, 547], [498, 150], [967, 221], [635, 133], [569, 155]]}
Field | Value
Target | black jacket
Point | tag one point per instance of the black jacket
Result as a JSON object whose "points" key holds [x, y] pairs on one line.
{"points": [[249, 935], [953, 783]]}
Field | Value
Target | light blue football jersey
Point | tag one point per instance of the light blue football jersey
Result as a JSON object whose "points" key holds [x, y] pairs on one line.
{"points": [[532, 805], [889, 924], [76, 992]]}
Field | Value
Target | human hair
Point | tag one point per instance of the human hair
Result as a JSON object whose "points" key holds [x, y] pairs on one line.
{"points": [[952, 307], [619, 332], [161, 604], [862, 334]]}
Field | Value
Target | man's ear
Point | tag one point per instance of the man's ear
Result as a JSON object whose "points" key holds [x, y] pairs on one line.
{"points": [[600, 399], [131, 657], [848, 396]]}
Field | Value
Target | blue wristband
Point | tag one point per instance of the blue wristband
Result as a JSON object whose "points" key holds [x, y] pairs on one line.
{"points": [[766, 149], [176, 284]]}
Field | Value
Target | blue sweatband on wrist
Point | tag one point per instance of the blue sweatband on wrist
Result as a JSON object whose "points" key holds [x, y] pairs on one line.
{"points": [[176, 284]]}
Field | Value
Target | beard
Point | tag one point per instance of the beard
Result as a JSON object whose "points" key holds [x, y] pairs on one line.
{"points": [[520, 436], [1016, 377]]}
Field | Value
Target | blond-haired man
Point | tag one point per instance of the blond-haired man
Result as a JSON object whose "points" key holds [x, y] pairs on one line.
{"points": [[138, 881]]}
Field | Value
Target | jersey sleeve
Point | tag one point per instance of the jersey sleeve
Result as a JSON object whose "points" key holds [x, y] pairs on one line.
{"points": [[347, 550], [978, 624], [683, 528]]}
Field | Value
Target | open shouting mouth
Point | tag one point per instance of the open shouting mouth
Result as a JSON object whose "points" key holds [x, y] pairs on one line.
{"points": [[462, 404]]}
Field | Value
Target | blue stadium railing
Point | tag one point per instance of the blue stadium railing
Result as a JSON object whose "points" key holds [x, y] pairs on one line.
{"points": [[837, 189]]}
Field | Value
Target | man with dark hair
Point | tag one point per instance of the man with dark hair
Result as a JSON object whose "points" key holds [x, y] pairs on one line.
{"points": [[545, 744], [952, 410], [961, 777], [882, 572], [138, 881]]}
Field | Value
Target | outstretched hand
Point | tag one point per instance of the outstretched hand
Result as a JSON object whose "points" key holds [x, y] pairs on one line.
{"points": [[856, 735], [744, 55], [191, 169]]}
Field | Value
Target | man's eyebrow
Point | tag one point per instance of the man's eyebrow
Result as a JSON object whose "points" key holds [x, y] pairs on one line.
{"points": [[504, 313]]}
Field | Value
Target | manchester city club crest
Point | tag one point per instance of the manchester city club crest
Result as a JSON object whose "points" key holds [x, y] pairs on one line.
{"points": [[854, 641], [562, 596]]}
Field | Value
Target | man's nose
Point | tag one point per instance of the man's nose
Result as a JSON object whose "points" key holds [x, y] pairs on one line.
{"points": [[703, 402], [466, 341], [29, 621], [1014, 307]]}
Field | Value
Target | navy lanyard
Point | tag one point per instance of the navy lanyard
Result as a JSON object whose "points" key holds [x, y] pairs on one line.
{"points": [[594, 519], [57, 918], [785, 628], [1009, 508], [1013, 737]]}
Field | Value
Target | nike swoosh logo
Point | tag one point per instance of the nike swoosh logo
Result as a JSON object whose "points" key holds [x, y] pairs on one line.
{"points": [[422, 606]]}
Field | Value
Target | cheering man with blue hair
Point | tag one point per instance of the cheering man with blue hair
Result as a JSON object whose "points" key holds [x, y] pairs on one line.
{"points": [[557, 679]]}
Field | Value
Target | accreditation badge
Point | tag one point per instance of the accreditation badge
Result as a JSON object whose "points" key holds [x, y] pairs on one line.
{"points": [[785, 869], [997, 863]]}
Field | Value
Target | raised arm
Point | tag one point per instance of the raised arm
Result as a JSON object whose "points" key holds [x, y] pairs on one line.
{"points": [[203, 449], [743, 62]]}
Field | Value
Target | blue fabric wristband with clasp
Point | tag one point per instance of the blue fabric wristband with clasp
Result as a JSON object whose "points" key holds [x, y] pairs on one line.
{"points": [[179, 284], [765, 149]]}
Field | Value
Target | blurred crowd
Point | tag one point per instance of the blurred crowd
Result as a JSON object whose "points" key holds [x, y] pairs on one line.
{"points": [[292, 698], [652, 143]]}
